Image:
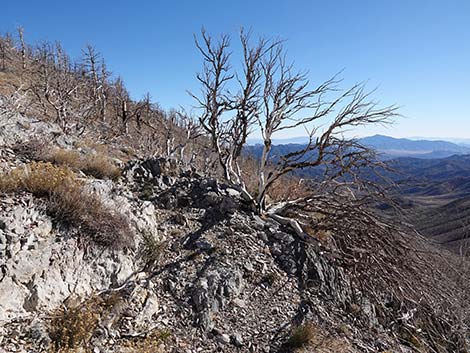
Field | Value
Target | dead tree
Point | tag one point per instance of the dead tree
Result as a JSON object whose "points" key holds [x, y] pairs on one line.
{"points": [[273, 97], [180, 130], [143, 110], [22, 47], [103, 92], [57, 84], [91, 63], [6, 44], [120, 103], [91, 58]]}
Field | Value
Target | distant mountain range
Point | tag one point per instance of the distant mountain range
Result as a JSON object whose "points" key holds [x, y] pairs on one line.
{"points": [[432, 179], [388, 147]]}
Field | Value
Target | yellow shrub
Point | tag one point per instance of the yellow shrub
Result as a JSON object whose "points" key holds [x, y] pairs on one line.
{"points": [[100, 167], [62, 156], [96, 164], [312, 338], [69, 202], [73, 327], [38, 178]]}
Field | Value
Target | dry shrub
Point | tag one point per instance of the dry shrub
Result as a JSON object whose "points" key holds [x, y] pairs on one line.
{"points": [[38, 178], [95, 164], [88, 143], [62, 156], [68, 201], [99, 166], [288, 187], [312, 338], [72, 326]]}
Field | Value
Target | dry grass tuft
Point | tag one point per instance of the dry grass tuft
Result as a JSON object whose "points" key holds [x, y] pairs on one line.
{"points": [[73, 327], [38, 178], [312, 338], [95, 164], [69, 202], [152, 343], [60, 156], [99, 166]]}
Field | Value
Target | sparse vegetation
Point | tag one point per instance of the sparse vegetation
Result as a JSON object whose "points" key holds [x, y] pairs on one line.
{"points": [[38, 178], [302, 336], [96, 164], [69, 201], [73, 327], [151, 343], [91, 162], [309, 337], [379, 263], [271, 278], [151, 249]]}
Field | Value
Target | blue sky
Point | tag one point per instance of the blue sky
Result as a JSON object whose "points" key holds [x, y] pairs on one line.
{"points": [[417, 52]]}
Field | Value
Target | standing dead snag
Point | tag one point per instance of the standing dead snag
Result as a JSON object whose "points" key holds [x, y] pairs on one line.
{"points": [[6, 46], [57, 85], [273, 97], [22, 47]]}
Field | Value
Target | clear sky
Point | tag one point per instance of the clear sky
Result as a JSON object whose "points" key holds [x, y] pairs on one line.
{"points": [[417, 52]]}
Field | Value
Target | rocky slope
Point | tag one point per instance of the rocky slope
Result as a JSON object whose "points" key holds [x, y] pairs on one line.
{"points": [[204, 274]]}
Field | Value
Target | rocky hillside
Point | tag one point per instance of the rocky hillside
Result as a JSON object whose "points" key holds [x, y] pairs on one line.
{"points": [[162, 258]]}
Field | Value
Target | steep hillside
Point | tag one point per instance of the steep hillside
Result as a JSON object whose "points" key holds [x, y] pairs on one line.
{"points": [[435, 195], [198, 272]]}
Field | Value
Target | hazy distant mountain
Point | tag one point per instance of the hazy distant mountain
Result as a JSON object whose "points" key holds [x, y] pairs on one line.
{"points": [[388, 147], [391, 147], [456, 140], [285, 141]]}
